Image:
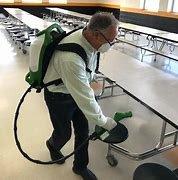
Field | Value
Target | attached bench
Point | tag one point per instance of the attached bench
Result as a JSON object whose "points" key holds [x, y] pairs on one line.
{"points": [[132, 43], [157, 52], [145, 48], [133, 33]]}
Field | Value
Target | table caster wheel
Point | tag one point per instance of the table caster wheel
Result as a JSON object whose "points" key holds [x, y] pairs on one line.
{"points": [[112, 160]]}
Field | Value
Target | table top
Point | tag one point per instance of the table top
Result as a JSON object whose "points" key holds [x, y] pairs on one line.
{"points": [[157, 89], [32, 21], [28, 19], [141, 29], [173, 37], [70, 13]]}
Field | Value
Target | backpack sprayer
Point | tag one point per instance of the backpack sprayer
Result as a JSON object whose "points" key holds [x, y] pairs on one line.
{"points": [[48, 41]]}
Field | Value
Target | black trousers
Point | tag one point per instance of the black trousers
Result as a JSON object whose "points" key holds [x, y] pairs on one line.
{"points": [[63, 110]]}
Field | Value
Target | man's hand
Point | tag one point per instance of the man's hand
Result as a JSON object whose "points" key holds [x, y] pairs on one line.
{"points": [[98, 76], [110, 124]]}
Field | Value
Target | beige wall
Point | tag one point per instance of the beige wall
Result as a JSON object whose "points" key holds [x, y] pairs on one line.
{"points": [[117, 2], [124, 3], [95, 1], [80, 1], [163, 5], [130, 3]]}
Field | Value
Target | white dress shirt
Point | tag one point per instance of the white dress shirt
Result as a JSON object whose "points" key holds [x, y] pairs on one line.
{"points": [[71, 68]]}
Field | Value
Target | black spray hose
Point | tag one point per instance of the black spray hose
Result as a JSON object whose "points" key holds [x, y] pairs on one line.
{"points": [[92, 136]]}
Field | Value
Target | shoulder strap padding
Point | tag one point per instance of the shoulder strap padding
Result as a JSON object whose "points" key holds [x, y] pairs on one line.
{"points": [[97, 64], [75, 48], [51, 48]]}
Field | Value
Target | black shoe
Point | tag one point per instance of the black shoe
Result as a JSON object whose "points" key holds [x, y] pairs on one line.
{"points": [[86, 174], [55, 155]]}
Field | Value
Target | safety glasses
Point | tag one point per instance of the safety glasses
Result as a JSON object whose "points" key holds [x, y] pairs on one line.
{"points": [[110, 43]]}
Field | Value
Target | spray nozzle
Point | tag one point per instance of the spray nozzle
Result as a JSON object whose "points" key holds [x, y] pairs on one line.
{"points": [[119, 116], [118, 134]]}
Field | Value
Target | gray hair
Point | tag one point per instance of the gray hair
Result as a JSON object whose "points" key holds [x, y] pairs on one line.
{"points": [[101, 21]]}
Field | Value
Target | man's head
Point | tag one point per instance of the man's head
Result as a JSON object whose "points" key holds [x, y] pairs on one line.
{"points": [[102, 30]]}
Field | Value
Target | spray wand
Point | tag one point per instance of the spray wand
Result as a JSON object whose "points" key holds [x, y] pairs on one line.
{"points": [[117, 134]]}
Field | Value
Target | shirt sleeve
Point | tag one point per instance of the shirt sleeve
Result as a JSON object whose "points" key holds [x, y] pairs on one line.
{"points": [[75, 79]]}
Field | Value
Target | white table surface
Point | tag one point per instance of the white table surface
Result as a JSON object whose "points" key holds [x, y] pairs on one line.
{"points": [[157, 89], [173, 37], [141, 29], [32, 21], [70, 13], [28, 19]]}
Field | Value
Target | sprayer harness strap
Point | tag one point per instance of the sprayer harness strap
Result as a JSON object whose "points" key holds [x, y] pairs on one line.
{"points": [[75, 48], [69, 47]]}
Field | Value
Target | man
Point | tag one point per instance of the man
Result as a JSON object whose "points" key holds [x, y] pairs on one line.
{"points": [[74, 100]]}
